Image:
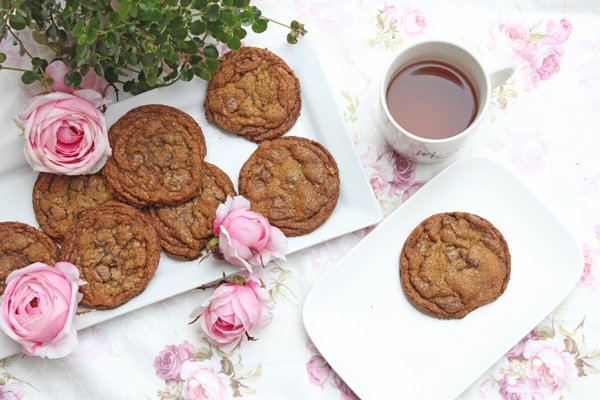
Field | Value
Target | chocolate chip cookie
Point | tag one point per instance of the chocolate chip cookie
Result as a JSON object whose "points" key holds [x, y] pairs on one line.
{"points": [[21, 245], [452, 263], [157, 154], [59, 199], [293, 181], [185, 229], [116, 251], [254, 94]]}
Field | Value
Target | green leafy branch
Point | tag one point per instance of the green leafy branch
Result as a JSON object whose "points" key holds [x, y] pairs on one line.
{"points": [[140, 44]]}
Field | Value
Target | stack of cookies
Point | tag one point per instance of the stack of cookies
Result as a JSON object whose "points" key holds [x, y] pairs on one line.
{"points": [[157, 192]]}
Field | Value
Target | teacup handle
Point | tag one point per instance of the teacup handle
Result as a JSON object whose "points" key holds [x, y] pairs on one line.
{"points": [[502, 67]]}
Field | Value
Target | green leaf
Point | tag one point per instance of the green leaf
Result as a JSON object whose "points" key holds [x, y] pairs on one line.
{"points": [[98, 69], [72, 79], [197, 27], [212, 64], [2, 57], [260, 25], [124, 6], [28, 77], [239, 33], [111, 40], [229, 18], [234, 43], [292, 38], [17, 22], [238, 3], [110, 75], [210, 51], [94, 23], [187, 75], [199, 4], [185, 3]]}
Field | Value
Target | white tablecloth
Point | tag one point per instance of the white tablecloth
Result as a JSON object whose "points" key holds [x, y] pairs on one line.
{"points": [[543, 125]]}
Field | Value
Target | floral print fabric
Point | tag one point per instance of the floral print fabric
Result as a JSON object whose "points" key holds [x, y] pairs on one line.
{"points": [[542, 124]]}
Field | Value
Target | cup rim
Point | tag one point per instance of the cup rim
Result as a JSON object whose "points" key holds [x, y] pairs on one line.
{"points": [[383, 92]]}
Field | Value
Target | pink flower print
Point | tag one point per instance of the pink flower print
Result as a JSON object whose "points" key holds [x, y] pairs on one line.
{"points": [[202, 380], [528, 151], [12, 391], [590, 278], [546, 62], [324, 255], [515, 387], [558, 32], [549, 366], [413, 22], [511, 35], [404, 170], [318, 370], [409, 191], [390, 13], [380, 172], [168, 362], [516, 353], [345, 392]]}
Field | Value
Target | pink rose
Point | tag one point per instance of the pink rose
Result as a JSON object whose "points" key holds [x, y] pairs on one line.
{"points": [[512, 35], [514, 386], [345, 392], [390, 13], [558, 32], [549, 365], [516, 353], [91, 84], [245, 237], [168, 362], [413, 22], [203, 381], [591, 272], [404, 170], [318, 370], [233, 310], [38, 307], [380, 172], [12, 391], [547, 62], [64, 134]]}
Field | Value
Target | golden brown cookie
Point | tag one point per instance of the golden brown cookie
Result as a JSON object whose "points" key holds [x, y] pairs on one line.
{"points": [[293, 181], [116, 251], [185, 229], [21, 245], [157, 154], [254, 94], [453, 263], [59, 199]]}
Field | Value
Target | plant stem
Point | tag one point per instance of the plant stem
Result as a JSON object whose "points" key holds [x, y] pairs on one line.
{"points": [[14, 69], [277, 22], [20, 41]]}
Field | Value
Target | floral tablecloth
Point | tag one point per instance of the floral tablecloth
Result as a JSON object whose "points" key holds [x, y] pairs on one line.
{"points": [[543, 124]]}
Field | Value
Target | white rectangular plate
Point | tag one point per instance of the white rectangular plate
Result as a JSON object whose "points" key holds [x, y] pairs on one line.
{"points": [[319, 120], [360, 320]]}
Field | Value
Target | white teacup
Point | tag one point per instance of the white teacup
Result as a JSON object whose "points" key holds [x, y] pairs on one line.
{"points": [[426, 150]]}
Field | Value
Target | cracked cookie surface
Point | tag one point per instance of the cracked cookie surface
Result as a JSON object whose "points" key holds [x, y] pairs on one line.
{"points": [[59, 199], [293, 181], [157, 154], [21, 245], [184, 229], [453, 263], [254, 94], [116, 251]]}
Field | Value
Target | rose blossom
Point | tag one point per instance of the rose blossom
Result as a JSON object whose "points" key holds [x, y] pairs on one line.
{"points": [[38, 307], [404, 170], [203, 381], [549, 366], [64, 134], [12, 391], [318, 370], [168, 362], [245, 237], [516, 353], [91, 84], [389, 11], [591, 272], [232, 310], [515, 35], [413, 22], [547, 62], [558, 32], [380, 172], [514, 386]]}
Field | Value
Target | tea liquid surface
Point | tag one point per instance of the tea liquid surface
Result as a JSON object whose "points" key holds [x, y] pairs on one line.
{"points": [[432, 100]]}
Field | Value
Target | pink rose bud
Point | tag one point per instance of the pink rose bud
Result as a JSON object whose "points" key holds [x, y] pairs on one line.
{"points": [[245, 237], [64, 134], [233, 310], [38, 307], [91, 84]]}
